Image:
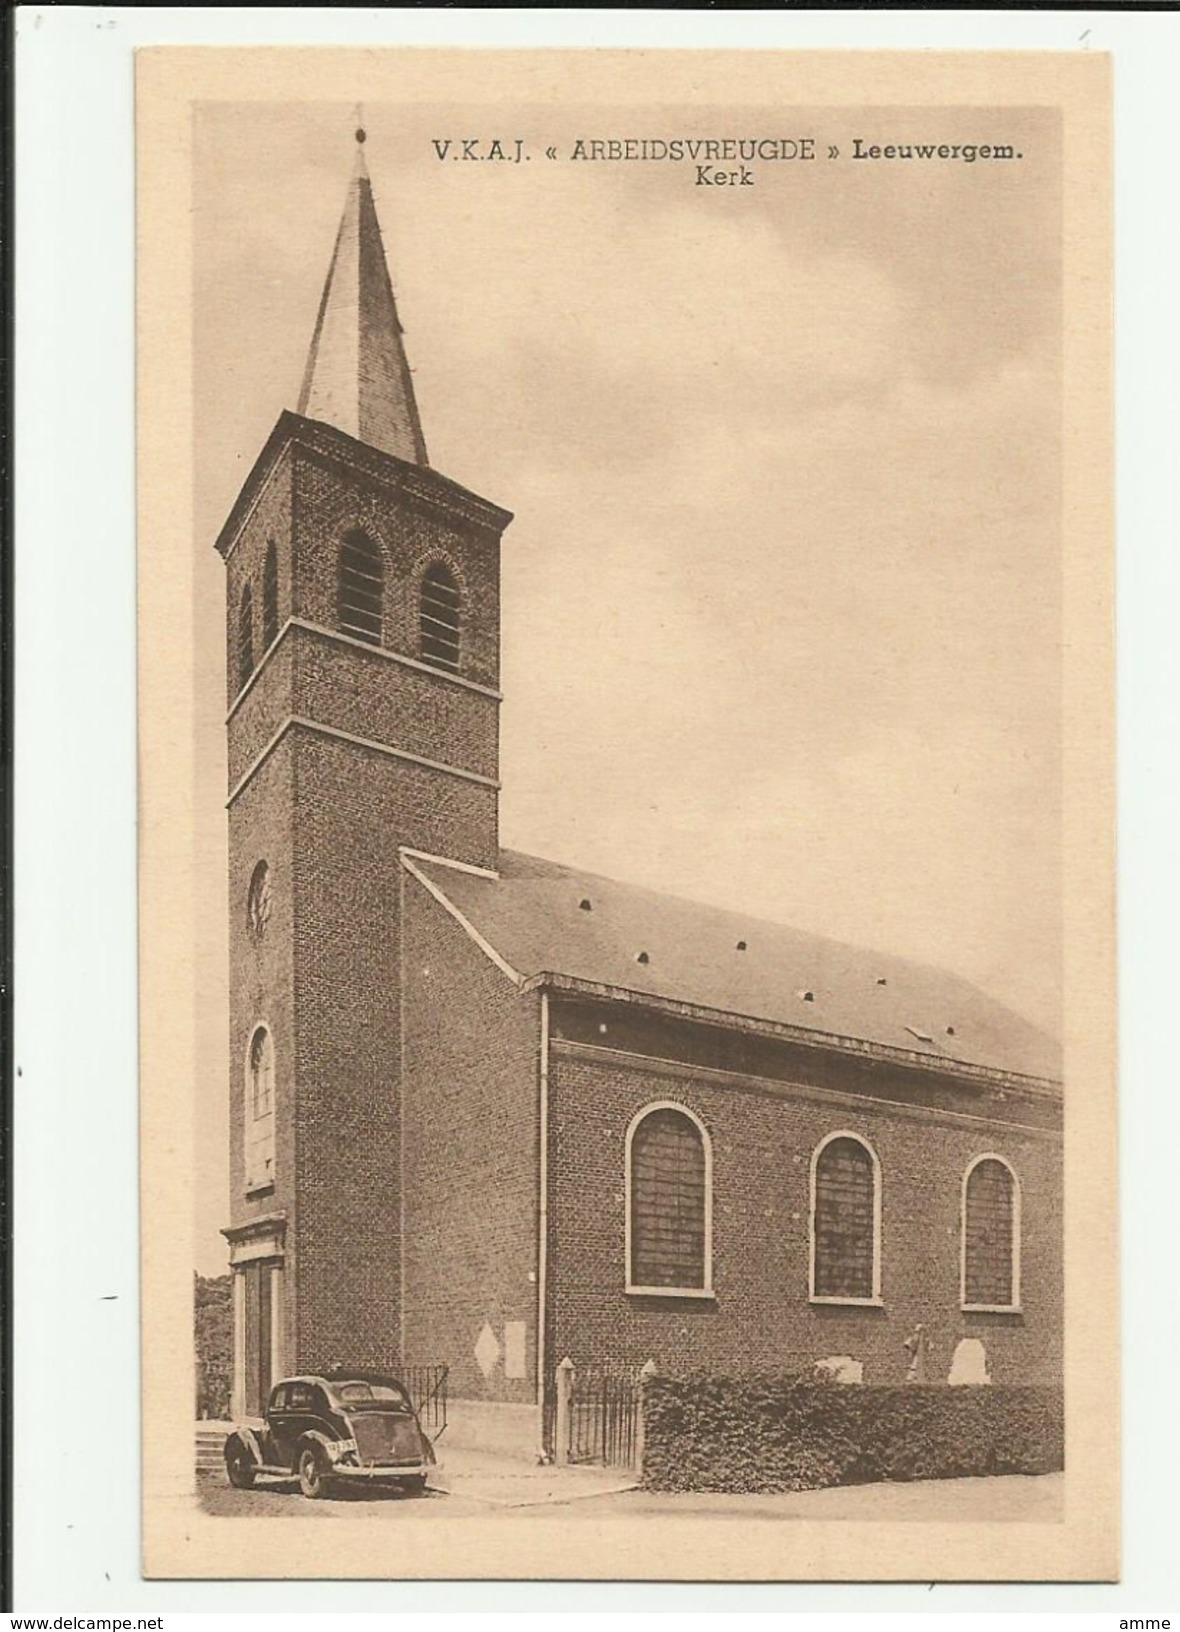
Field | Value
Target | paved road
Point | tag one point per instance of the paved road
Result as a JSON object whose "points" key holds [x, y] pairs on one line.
{"points": [[283, 1501], [1010, 1498]]}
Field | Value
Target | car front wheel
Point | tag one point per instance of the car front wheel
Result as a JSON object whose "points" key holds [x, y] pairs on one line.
{"points": [[312, 1482], [239, 1466]]}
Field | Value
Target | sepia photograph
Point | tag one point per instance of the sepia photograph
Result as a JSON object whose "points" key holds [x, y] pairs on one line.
{"points": [[646, 741]]}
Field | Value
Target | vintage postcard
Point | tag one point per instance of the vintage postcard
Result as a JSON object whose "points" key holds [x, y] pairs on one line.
{"points": [[626, 735]]}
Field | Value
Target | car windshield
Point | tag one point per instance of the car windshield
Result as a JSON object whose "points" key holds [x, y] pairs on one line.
{"points": [[361, 1392]]}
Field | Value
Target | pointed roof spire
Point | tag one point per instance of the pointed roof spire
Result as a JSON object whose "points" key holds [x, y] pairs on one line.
{"points": [[357, 377]]}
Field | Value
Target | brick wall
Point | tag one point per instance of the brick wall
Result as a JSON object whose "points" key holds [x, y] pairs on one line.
{"points": [[259, 711], [354, 807], [261, 827], [361, 691], [472, 1046], [763, 1134], [271, 518], [311, 501], [329, 500], [328, 816]]}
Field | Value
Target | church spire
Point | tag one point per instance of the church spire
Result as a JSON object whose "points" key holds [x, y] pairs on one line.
{"points": [[357, 377]]}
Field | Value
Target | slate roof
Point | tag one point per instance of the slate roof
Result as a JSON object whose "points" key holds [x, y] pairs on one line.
{"points": [[357, 375], [533, 918]]}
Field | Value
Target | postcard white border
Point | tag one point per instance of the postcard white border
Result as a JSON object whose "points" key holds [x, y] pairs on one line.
{"points": [[77, 1179]]}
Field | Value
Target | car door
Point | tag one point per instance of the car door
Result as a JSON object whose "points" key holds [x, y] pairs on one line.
{"points": [[288, 1418]]}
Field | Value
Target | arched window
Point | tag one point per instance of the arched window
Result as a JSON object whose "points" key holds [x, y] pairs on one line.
{"points": [[258, 901], [991, 1235], [245, 637], [845, 1221], [669, 1203], [270, 597], [360, 588], [259, 1143], [438, 617]]}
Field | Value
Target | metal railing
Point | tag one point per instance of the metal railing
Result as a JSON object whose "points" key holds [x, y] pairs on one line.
{"points": [[599, 1419], [427, 1386]]}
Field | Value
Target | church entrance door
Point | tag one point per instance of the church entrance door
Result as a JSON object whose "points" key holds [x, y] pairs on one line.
{"points": [[259, 1313]]}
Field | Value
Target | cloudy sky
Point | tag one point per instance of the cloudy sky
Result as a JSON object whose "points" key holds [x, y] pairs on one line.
{"points": [[781, 602]]}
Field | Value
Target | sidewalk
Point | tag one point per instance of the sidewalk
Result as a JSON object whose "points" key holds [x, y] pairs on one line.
{"points": [[997, 1499], [481, 1476], [504, 1482]]}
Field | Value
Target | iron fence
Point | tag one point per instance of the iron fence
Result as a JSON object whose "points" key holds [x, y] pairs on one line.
{"points": [[427, 1386], [603, 1416]]}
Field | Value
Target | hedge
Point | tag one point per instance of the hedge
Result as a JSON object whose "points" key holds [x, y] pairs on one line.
{"points": [[774, 1433]]}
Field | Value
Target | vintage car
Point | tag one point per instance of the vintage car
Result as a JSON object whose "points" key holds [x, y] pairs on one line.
{"points": [[343, 1427]]}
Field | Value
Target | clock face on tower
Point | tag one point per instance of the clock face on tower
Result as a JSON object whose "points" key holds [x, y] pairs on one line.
{"points": [[258, 900]]}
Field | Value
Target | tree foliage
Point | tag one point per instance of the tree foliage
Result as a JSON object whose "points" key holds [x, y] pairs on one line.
{"points": [[213, 1329]]}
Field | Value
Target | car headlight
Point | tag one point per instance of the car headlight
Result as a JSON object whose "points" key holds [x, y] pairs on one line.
{"points": [[342, 1448]]}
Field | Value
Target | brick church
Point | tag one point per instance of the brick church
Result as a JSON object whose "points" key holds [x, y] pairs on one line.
{"points": [[490, 1110]]}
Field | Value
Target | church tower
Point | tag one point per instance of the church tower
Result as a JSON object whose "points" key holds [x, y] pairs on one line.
{"points": [[362, 657]]}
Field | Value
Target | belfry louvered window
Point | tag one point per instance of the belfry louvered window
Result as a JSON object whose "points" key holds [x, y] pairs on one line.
{"points": [[361, 588], [991, 1236], [270, 597], [845, 1221], [245, 637], [438, 617], [668, 1203]]}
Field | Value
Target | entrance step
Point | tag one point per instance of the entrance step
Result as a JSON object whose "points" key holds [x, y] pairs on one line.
{"points": [[210, 1446]]}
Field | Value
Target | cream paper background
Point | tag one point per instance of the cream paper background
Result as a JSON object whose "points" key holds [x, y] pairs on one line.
{"points": [[179, 1538]]}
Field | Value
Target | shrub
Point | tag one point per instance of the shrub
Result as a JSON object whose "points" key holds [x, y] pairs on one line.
{"points": [[772, 1433]]}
